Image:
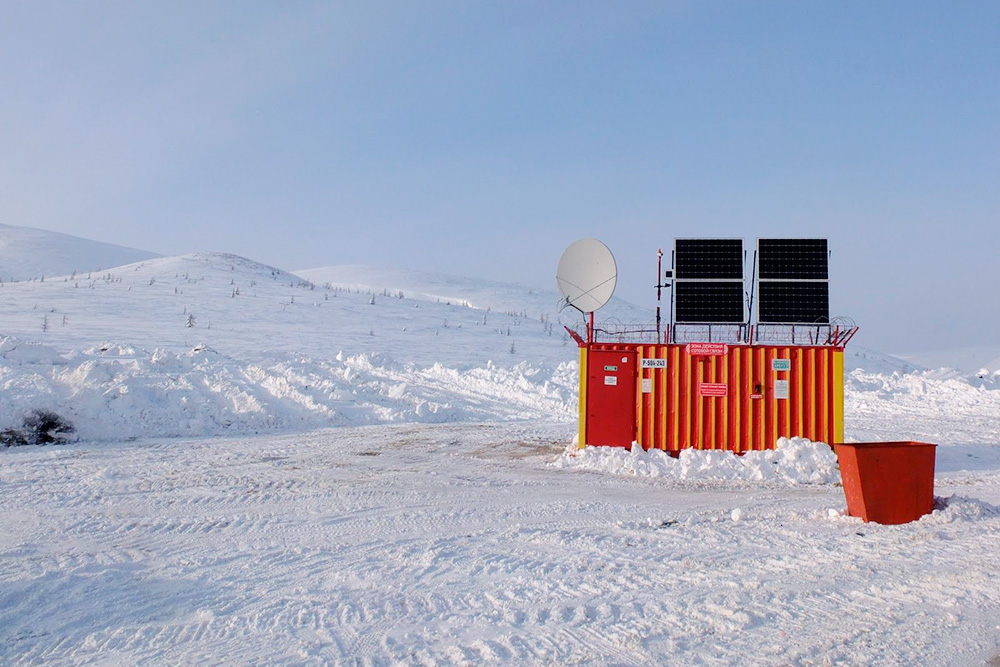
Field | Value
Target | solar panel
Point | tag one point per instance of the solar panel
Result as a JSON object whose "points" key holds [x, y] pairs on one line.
{"points": [[708, 302], [713, 259], [794, 303], [793, 281], [708, 281], [792, 259]]}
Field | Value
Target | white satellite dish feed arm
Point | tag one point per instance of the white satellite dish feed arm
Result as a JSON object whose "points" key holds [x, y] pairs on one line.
{"points": [[587, 275]]}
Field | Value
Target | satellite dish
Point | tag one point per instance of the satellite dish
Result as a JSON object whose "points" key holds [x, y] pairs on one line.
{"points": [[587, 275]]}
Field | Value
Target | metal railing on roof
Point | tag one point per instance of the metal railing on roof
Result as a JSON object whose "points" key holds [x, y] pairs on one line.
{"points": [[836, 333]]}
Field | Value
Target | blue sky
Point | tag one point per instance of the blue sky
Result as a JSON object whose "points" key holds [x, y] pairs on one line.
{"points": [[482, 138]]}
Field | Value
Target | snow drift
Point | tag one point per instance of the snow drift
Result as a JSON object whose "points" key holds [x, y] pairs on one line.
{"points": [[114, 391], [793, 461]]}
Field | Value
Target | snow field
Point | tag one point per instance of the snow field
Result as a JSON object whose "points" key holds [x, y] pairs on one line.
{"points": [[415, 533], [461, 544], [920, 406]]}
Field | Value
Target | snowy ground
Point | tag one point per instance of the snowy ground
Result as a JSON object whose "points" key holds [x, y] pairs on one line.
{"points": [[463, 544], [208, 514]]}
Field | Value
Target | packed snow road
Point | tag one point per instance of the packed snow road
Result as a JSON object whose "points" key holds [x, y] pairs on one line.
{"points": [[461, 544]]}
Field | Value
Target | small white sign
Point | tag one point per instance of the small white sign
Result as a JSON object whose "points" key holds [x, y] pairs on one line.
{"points": [[654, 363], [647, 385], [611, 380], [781, 389]]}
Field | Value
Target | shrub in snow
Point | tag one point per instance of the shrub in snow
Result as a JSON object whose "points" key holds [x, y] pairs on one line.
{"points": [[38, 428]]}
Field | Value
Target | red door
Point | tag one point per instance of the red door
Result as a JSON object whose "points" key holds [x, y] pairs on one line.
{"points": [[611, 378]]}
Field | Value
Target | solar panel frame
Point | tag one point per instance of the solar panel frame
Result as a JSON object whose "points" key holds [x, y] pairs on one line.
{"points": [[793, 302], [708, 259], [709, 302], [793, 259], [708, 279], [793, 281]]}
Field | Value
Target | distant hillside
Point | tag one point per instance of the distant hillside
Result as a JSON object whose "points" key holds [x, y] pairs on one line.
{"points": [[968, 360], [249, 310], [28, 254], [216, 343], [471, 292]]}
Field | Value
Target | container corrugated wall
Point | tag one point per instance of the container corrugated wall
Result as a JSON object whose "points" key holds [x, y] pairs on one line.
{"points": [[743, 399]]}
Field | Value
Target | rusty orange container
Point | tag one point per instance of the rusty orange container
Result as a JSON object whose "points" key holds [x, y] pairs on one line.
{"points": [[888, 482]]}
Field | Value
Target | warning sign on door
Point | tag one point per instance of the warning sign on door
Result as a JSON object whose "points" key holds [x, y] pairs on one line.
{"points": [[713, 389], [706, 349], [611, 380]]}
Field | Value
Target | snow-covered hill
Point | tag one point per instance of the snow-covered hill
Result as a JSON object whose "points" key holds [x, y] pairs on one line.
{"points": [[29, 254], [241, 308], [976, 360], [214, 343], [481, 294]]}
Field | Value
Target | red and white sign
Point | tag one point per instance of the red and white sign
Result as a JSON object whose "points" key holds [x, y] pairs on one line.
{"points": [[713, 389], [707, 349]]}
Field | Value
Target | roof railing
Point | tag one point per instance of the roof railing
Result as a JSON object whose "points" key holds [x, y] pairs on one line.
{"points": [[836, 333]]}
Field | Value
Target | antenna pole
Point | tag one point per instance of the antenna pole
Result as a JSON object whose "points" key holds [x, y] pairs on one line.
{"points": [[673, 330], [659, 288], [590, 328], [753, 283]]}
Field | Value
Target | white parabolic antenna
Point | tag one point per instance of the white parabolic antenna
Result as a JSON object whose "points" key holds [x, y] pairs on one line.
{"points": [[587, 275]]}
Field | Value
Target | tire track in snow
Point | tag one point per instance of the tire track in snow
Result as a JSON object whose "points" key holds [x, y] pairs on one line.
{"points": [[443, 549]]}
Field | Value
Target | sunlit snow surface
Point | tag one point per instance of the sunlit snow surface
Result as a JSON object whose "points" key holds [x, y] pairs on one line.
{"points": [[207, 515], [462, 544]]}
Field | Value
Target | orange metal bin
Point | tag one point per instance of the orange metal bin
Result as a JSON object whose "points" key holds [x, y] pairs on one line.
{"points": [[888, 482]]}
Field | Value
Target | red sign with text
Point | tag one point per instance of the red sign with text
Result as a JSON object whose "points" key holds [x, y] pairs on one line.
{"points": [[713, 389], [707, 349]]}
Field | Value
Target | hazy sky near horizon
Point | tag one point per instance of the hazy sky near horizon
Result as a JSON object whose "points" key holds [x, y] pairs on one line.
{"points": [[481, 138]]}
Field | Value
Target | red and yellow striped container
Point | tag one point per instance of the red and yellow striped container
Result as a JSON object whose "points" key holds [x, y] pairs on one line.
{"points": [[732, 397]]}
